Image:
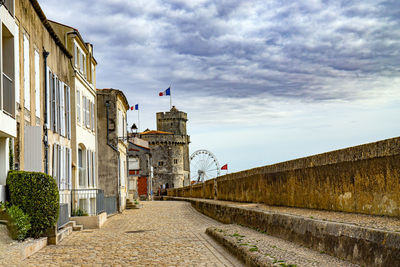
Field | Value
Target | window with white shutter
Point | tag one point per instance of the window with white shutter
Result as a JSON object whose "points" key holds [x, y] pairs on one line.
{"points": [[62, 109], [59, 97], [17, 70], [88, 113], [93, 117], [53, 161], [88, 167], [84, 66], [84, 110], [76, 55], [94, 169], [78, 105], [27, 82], [70, 169], [37, 85], [68, 110], [48, 97]]}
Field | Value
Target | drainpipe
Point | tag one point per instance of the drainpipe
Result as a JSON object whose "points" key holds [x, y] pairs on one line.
{"points": [[45, 137], [116, 150]]}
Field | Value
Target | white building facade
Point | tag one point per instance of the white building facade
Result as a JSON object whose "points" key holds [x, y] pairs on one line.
{"points": [[8, 53]]}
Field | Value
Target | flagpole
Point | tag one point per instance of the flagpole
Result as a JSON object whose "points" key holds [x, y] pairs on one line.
{"points": [[170, 96], [138, 118]]}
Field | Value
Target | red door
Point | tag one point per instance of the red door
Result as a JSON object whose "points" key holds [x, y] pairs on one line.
{"points": [[142, 185]]}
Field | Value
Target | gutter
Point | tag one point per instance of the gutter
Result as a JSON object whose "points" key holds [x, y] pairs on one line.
{"points": [[45, 126]]}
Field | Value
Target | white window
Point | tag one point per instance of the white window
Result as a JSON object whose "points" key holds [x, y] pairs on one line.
{"points": [[119, 123], [81, 61], [84, 66], [48, 90], [37, 84], [94, 169], [76, 54], [87, 113], [84, 110], [68, 111], [62, 109], [16, 54], [93, 118], [89, 173], [78, 105], [27, 94]]}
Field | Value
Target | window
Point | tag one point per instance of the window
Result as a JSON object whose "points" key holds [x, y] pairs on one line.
{"points": [[81, 61], [87, 113], [84, 110], [161, 163], [88, 164], [17, 73], [37, 85], [175, 161], [78, 105], [93, 118], [53, 102], [62, 108], [27, 94], [67, 111], [84, 66], [76, 55], [94, 169]]}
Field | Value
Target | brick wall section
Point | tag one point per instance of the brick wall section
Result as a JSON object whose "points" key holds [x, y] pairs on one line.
{"points": [[361, 179]]}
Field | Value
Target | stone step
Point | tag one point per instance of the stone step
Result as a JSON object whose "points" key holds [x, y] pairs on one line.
{"points": [[61, 234], [260, 249], [77, 228]]}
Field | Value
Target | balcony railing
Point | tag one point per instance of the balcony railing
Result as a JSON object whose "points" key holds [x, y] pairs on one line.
{"points": [[9, 4], [8, 96]]}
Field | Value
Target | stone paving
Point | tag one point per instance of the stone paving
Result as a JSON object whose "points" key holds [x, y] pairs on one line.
{"points": [[162, 233]]}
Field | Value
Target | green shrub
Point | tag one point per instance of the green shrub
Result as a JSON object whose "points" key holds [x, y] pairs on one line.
{"points": [[18, 223], [37, 195], [79, 212]]}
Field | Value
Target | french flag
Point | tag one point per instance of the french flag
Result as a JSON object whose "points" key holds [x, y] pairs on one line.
{"points": [[166, 92], [136, 107]]}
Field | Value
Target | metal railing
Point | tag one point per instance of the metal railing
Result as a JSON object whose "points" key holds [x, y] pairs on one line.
{"points": [[90, 200], [9, 4], [63, 217], [8, 96], [110, 204]]}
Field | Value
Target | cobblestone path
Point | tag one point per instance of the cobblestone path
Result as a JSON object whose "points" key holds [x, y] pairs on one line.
{"points": [[162, 233]]}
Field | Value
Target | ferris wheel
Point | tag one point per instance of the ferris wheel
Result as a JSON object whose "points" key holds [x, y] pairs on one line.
{"points": [[203, 166]]}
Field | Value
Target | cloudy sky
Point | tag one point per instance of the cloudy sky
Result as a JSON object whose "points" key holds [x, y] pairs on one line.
{"points": [[261, 81]]}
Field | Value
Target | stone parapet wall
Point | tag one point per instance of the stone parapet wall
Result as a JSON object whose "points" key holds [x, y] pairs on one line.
{"points": [[362, 179]]}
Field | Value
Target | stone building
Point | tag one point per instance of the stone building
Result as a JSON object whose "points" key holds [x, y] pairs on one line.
{"points": [[42, 87], [170, 150], [8, 63], [112, 146], [139, 168], [83, 120]]}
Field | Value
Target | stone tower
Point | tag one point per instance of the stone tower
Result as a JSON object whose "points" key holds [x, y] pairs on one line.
{"points": [[170, 149]]}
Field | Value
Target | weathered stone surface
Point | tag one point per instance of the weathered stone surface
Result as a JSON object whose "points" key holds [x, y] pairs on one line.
{"points": [[362, 179], [361, 245], [257, 248], [162, 233]]}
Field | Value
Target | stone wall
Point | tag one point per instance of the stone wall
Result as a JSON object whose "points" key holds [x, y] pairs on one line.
{"points": [[361, 179]]}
